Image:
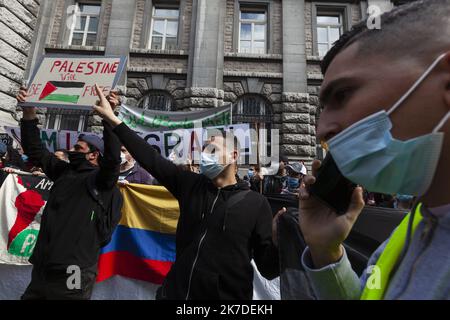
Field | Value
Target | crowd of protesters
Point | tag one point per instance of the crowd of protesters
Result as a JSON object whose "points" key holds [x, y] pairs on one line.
{"points": [[225, 221]]}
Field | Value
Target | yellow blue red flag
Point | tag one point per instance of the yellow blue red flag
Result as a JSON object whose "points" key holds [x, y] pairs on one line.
{"points": [[143, 244]]}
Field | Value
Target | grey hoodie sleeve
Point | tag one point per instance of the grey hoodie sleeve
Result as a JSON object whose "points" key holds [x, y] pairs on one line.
{"points": [[337, 281]]}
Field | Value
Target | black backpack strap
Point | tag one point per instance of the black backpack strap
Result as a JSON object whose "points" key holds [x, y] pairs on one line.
{"points": [[110, 214], [93, 191], [234, 199], [237, 197]]}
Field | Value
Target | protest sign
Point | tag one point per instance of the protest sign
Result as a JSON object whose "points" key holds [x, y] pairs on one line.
{"points": [[188, 143], [52, 139], [165, 142], [22, 202], [153, 120], [69, 82]]}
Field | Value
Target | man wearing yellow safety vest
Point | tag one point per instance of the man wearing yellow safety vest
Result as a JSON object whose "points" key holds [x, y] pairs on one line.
{"points": [[386, 98]]}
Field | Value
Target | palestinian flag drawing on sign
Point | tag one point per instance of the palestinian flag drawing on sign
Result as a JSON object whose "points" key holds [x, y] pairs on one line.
{"points": [[22, 202], [67, 92]]}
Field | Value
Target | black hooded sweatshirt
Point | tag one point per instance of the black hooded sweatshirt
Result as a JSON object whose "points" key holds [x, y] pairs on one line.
{"points": [[83, 207], [218, 233]]}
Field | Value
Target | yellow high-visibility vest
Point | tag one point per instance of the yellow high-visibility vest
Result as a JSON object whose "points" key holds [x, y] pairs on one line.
{"points": [[390, 255]]}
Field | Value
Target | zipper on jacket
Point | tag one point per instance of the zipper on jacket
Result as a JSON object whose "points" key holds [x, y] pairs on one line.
{"points": [[198, 248]]}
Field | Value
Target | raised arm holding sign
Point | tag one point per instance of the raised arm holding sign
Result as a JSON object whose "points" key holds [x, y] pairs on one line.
{"points": [[82, 210], [69, 82]]}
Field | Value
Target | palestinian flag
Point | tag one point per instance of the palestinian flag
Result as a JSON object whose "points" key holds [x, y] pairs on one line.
{"points": [[22, 202], [68, 92]]}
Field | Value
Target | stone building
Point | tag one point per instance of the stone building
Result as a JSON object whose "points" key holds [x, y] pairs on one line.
{"points": [[18, 20], [260, 55]]}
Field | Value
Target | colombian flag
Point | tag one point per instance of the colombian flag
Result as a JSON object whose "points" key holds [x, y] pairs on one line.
{"points": [[143, 245]]}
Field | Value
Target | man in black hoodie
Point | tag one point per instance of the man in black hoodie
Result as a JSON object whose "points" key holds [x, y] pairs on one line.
{"points": [[222, 225], [81, 212]]}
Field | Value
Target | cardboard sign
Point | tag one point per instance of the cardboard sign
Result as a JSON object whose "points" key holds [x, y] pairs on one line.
{"points": [[69, 82]]}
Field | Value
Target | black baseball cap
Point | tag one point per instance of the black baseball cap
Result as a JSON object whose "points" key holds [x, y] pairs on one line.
{"points": [[93, 140]]}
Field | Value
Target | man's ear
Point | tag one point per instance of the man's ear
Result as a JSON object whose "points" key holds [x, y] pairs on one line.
{"points": [[94, 155]]}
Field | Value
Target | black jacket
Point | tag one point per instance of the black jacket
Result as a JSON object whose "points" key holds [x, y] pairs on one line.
{"points": [[83, 207], [218, 232]]}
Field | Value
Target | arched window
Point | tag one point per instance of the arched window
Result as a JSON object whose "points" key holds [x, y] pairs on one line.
{"points": [[66, 119], [157, 100], [257, 112], [252, 109]]}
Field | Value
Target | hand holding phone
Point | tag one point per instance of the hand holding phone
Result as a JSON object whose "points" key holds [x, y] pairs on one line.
{"points": [[331, 187], [323, 229]]}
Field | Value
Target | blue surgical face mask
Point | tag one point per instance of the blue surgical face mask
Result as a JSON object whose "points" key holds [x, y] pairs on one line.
{"points": [[24, 158], [250, 173], [209, 165], [293, 183], [367, 154]]}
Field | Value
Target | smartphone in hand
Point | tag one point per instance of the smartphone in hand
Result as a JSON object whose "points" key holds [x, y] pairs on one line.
{"points": [[331, 187]]}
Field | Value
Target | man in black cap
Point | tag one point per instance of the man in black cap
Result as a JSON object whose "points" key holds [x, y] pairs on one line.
{"points": [[81, 212]]}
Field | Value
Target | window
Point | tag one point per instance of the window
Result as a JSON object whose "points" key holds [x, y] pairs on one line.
{"points": [[252, 109], [164, 30], [252, 31], [329, 29], [157, 100], [85, 25], [257, 112], [64, 119]]}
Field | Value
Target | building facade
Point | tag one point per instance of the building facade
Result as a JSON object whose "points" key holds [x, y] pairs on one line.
{"points": [[260, 55], [18, 21]]}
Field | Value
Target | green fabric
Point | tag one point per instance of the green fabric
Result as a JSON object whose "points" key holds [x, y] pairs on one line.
{"points": [[62, 98], [390, 255]]}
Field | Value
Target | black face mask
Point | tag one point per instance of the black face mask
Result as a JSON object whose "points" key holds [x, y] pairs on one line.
{"points": [[77, 159]]}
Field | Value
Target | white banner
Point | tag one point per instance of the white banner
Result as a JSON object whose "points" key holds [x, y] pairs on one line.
{"points": [[15, 279], [164, 141]]}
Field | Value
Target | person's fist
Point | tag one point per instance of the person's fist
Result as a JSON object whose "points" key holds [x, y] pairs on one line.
{"points": [[22, 95], [29, 113], [114, 99], [9, 170]]}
